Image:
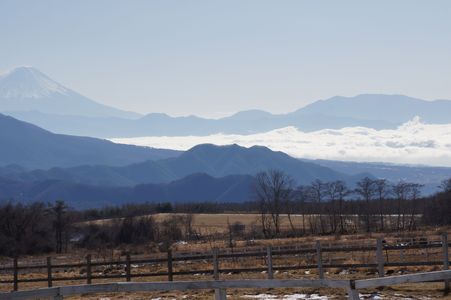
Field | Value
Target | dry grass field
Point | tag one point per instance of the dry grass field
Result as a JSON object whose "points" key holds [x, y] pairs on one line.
{"points": [[217, 223], [206, 223]]}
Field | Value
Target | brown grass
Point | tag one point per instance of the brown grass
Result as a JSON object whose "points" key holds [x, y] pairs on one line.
{"points": [[208, 223]]}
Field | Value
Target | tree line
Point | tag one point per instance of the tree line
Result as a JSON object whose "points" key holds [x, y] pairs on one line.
{"points": [[284, 210], [334, 207]]}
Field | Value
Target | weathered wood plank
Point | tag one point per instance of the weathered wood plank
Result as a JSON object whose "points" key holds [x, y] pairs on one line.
{"points": [[49, 272], [88, 269], [15, 274], [319, 260], [169, 261], [170, 286], [220, 294], [215, 264], [445, 259], [128, 268], [269, 262], [31, 294], [409, 278], [380, 258]]}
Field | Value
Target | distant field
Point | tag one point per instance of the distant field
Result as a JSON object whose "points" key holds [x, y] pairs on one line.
{"points": [[218, 223]]}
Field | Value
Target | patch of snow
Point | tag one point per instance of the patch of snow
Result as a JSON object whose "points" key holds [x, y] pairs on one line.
{"points": [[28, 82], [286, 297]]}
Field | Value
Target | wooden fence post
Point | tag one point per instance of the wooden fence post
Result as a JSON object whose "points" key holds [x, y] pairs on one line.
{"points": [[319, 259], [88, 269], [220, 294], [445, 259], [380, 258], [401, 255], [128, 268], [215, 264], [170, 276], [353, 294], [49, 272], [15, 274], [269, 258]]}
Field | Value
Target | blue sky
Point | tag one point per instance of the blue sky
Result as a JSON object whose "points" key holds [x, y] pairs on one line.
{"points": [[212, 58]]}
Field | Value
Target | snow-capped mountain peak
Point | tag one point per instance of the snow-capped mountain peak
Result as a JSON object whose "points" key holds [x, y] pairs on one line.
{"points": [[28, 82]]}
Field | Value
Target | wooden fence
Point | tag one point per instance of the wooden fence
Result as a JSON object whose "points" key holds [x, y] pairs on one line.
{"points": [[220, 286], [216, 256]]}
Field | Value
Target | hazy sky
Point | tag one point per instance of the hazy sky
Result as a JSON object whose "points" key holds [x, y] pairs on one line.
{"points": [[212, 58]]}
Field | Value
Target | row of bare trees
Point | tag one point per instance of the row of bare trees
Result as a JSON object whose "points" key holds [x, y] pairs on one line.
{"points": [[284, 210], [372, 205], [33, 228]]}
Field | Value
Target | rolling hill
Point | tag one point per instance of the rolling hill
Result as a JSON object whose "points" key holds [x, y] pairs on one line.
{"points": [[216, 161], [32, 147]]}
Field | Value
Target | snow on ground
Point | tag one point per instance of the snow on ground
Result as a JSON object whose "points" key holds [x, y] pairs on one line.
{"points": [[373, 296], [411, 143], [286, 297]]}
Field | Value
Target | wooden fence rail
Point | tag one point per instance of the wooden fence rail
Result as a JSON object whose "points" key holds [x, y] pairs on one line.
{"points": [[220, 286], [216, 255], [232, 255]]}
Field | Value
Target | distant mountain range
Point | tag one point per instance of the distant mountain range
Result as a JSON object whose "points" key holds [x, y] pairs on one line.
{"points": [[102, 174], [216, 161], [38, 165], [32, 147], [192, 188], [29, 95]]}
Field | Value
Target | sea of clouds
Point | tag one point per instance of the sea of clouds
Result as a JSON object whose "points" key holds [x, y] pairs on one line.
{"points": [[411, 143]]}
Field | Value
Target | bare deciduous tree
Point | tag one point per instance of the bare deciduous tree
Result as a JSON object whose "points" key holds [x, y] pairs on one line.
{"points": [[273, 190], [445, 185], [414, 194], [318, 191], [366, 189], [337, 191], [302, 196], [58, 211], [400, 190], [382, 192]]}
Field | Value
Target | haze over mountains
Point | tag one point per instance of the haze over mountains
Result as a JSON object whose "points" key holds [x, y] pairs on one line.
{"points": [[37, 164], [193, 188], [29, 95], [204, 173], [33, 147], [28, 89], [217, 161], [224, 172]]}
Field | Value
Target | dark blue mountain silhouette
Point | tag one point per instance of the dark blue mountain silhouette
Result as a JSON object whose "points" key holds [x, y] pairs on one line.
{"points": [[193, 188], [32, 147], [216, 161]]}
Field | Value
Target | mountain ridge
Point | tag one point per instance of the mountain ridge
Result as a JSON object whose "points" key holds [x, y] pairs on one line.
{"points": [[192, 188], [72, 113], [30, 146], [216, 161], [27, 89]]}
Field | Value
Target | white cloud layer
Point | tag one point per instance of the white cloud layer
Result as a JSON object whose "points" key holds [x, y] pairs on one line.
{"points": [[412, 143]]}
